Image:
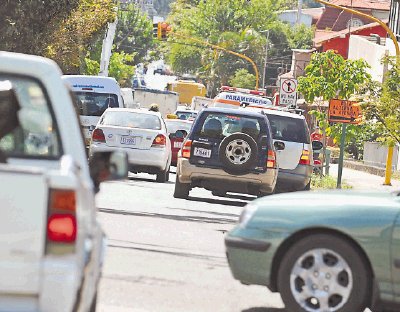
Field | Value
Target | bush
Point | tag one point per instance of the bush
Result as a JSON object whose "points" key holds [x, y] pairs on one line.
{"points": [[325, 182]]}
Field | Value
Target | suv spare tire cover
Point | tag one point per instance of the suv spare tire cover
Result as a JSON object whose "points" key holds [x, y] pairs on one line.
{"points": [[238, 153]]}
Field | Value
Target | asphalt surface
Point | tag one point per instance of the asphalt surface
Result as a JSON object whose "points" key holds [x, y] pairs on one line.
{"points": [[167, 254]]}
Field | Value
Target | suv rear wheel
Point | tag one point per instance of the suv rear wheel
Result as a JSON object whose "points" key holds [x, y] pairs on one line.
{"points": [[238, 153]]}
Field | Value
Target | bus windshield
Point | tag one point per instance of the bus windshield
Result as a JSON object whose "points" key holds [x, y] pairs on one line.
{"points": [[94, 104]]}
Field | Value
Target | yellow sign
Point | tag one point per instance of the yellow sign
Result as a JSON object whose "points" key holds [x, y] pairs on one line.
{"points": [[344, 111]]}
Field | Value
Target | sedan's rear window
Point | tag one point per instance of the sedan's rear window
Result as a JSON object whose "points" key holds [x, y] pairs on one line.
{"points": [[289, 129], [131, 120]]}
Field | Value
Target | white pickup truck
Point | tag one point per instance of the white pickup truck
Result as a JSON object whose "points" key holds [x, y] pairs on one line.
{"points": [[51, 245]]}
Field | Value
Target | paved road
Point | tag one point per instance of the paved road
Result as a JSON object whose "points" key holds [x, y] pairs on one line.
{"points": [[167, 254]]}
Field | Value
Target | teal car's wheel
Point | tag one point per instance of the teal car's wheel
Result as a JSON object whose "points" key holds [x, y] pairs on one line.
{"points": [[322, 273]]}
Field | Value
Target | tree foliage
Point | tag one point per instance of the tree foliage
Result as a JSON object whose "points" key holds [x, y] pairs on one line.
{"points": [[330, 76], [27, 26], [381, 103], [134, 33], [120, 67], [243, 79], [77, 34], [237, 25]]}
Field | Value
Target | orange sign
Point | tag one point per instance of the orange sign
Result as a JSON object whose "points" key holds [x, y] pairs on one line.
{"points": [[344, 111]]}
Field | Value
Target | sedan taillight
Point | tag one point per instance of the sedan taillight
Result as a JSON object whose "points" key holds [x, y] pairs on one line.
{"points": [[159, 141], [98, 136]]}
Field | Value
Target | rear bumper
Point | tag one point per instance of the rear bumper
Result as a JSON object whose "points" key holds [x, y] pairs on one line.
{"points": [[155, 159], [218, 179], [294, 180]]}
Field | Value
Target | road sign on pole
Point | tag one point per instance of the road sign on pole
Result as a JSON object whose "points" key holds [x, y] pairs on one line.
{"points": [[288, 92], [344, 111]]}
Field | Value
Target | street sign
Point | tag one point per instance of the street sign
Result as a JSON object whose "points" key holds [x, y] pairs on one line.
{"points": [[344, 111], [288, 92]]}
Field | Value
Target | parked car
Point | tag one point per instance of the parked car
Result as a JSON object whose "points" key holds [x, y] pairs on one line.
{"points": [[177, 131], [51, 244], [323, 251], [142, 134], [227, 150]]}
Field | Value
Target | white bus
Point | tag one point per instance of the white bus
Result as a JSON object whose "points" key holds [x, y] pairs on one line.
{"points": [[93, 95]]}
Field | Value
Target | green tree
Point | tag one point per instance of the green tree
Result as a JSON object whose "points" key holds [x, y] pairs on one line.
{"points": [[120, 67], [134, 33], [382, 104], [236, 25], [79, 33], [243, 79], [27, 26], [330, 76]]}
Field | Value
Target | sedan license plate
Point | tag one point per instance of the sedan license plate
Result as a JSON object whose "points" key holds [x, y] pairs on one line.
{"points": [[128, 140], [178, 144], [202, 152]]}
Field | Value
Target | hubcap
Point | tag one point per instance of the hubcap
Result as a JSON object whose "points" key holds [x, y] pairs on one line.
{"points": [[238, 151], [321, 280]]}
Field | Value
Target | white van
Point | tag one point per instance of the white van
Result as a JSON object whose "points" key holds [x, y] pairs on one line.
{"points": [[93, 95]]}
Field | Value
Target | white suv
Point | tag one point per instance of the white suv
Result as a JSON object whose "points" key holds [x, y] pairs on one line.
{"points": [[295, 159], [51, 245]]}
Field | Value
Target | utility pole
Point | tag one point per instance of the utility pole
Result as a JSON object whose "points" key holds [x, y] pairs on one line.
{"points": [[299, 8], [265, 62], [106, 48]]}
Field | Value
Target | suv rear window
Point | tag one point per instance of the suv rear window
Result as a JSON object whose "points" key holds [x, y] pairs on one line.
{"points": [[289, 129], [221, 125]]}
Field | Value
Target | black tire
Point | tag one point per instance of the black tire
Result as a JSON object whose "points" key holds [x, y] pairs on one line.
{"points": [[250, 149], [163, 176], [181, 189], [331, 247], [308, 186]]}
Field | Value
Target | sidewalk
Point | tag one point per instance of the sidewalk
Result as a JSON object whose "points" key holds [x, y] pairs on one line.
{"points": [[363, 180]]}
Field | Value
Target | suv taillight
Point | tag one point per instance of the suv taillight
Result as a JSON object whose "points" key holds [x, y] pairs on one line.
{"points": [[159, 141], [305, 158], [187, 146], [98, 136], [271, 159], [61, 222]]}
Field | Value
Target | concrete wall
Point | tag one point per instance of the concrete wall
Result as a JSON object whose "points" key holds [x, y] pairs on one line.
{"points": [[291, 18], [375, 155], [361, 48]]}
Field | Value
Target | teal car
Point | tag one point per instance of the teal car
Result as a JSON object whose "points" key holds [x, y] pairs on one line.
{"points": [[333, 251]]}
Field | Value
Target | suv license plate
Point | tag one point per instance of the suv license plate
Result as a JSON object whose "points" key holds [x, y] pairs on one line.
{"points": [[128, 140], [202, 152]]}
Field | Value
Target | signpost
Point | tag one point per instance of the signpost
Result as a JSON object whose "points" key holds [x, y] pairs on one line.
{"points": [[344, 112], [288, 92]]}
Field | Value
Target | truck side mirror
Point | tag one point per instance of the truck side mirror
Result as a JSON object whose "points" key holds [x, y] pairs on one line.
{"points": [[279, 146], [107, 166]]}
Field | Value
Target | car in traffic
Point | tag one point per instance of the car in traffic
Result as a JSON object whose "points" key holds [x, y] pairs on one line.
{"points": [[51, 244], [177, 131], [140, 133], [186, 114], [295, 159], [93, 95], [322, 251], [227, 150]]}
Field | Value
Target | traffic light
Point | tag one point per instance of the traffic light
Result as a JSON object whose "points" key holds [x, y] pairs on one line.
{"points": [[161, 30], [156, 30]]}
